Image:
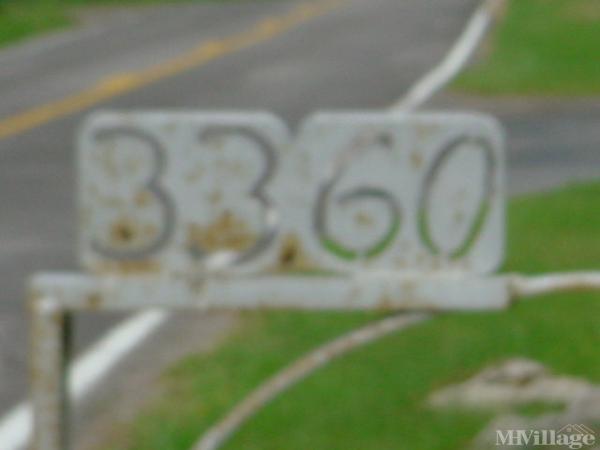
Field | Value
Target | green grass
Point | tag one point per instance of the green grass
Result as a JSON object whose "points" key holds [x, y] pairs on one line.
{"points": [[544, 47], [374, 397], [23, 18]]}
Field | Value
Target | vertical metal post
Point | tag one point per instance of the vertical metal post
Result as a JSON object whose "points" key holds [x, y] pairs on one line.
{"points": [[50, 342]]}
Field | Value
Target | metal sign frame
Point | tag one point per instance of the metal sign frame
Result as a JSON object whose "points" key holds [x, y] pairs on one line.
{"points": [[386, 211]]}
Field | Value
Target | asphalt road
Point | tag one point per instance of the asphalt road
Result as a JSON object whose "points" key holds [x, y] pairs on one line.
{"points": [[359, 55], [362, 54], [551, 142]]}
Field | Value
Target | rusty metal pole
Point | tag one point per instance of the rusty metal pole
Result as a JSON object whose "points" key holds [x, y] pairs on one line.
{"points": [[50, 345]]}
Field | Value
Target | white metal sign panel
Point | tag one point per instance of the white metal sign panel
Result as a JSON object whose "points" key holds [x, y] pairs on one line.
{"points": [[196, 192]]}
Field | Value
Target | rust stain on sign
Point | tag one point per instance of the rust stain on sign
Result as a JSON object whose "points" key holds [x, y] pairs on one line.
{"points": [[142, 199], [126, 232], [416, 160], [292, 256], [227, 232], [364, 220], [129, 267]]}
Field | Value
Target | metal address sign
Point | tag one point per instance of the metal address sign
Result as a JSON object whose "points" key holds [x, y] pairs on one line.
{"points": [[199, 192], [201, 210], [358, 211]]}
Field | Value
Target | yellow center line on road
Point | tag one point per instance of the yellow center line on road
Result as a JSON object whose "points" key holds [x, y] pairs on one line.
{"points": [[207, 51]]}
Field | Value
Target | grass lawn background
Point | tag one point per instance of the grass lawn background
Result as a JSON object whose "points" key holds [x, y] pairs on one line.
{"points": [[541, 47], [22, 18], [374, 398]]}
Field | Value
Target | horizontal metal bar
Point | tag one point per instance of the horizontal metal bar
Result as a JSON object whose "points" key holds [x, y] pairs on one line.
{"points": [[385, 290], [379, 291], [529, 286]]}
